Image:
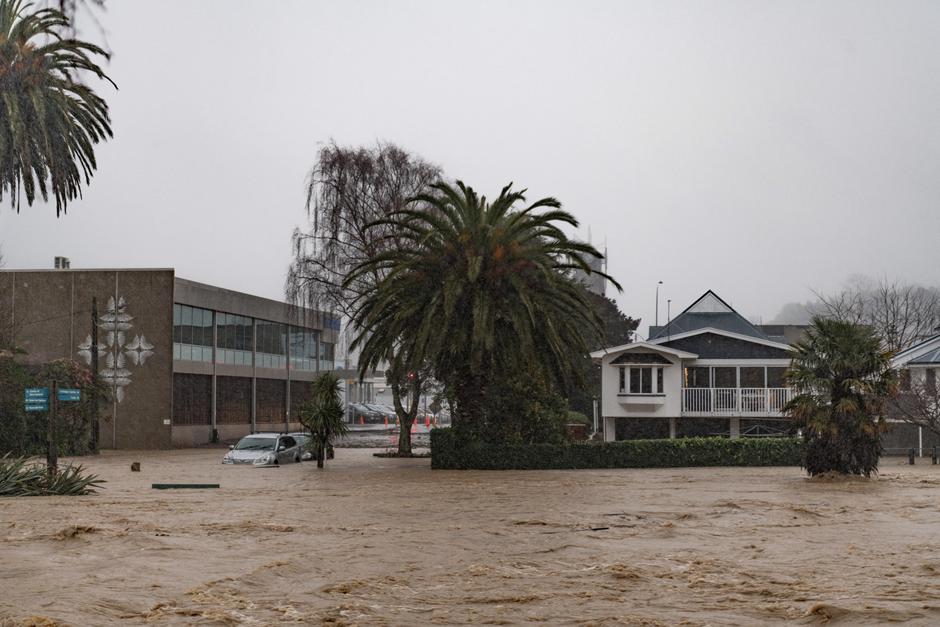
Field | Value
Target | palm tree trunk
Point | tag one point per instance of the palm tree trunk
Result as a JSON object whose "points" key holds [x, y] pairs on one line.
{"points": [[321, 453]]}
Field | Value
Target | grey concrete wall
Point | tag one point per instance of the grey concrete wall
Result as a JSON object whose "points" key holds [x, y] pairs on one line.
{"points": [[50, 311]]}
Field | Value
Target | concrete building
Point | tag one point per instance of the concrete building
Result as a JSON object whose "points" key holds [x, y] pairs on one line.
{"points": [[186, 362]]}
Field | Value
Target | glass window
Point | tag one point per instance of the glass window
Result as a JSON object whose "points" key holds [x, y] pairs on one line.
{"points": [[326, 356], [931, 379], [177, 322], [623, 379], [775, 377], [659, 380], [752, 377], [726, 377], [697, 377], [187, 324], [641, 380], [192, 333]]}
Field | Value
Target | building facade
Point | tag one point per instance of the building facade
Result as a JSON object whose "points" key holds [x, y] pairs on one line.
{"points": [[707, 372], [187, 363]]}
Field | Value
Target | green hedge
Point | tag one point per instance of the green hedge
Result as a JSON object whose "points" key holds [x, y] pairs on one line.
{"points": [[447, 452]]}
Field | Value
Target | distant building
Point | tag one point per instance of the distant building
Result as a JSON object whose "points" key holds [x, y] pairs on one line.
{"points": [[594, 282], [184, 360]]}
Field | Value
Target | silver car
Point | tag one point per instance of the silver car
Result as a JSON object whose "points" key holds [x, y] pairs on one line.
{"points": [[264, 449], [306, 451]]}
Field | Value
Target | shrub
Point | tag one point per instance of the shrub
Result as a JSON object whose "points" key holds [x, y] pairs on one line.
{"points": [[23, 433], [21, 477], [448, 451]]}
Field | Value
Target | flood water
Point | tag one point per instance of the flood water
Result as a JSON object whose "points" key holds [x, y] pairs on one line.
{"points": [[388, 541]]}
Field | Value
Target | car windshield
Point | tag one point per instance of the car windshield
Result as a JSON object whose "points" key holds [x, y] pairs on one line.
{"points": [[255, 444], [300, 439]]}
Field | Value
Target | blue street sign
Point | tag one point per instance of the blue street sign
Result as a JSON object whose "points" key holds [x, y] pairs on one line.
{"points": [[36, 399], [37, 394], [69, 394]]}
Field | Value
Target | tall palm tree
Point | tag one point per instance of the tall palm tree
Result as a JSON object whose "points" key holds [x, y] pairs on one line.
{"points": [[49, 119], [478, 289], [843, 379]]}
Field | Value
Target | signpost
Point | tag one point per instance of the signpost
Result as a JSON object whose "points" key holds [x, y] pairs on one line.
{"points": [[69, 394], [37, 400]]}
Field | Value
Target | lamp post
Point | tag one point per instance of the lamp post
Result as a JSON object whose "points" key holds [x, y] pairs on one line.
{"points": [[657, 302]]}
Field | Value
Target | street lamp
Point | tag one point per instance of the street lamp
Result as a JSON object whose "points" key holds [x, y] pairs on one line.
{"points": [[657, 302]]}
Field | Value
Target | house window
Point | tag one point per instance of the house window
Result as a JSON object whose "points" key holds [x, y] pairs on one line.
{"points": [[641, 380], [697, 377], [776, 377], [623, 380], [659, 380], [931, 379]]}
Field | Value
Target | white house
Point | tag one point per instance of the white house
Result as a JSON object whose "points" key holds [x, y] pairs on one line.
{"points": [[919, 364], [707, 372], [918, 367]]}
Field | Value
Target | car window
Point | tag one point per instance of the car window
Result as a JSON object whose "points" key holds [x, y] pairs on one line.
{"points": [[255, 444], [288, 441]]}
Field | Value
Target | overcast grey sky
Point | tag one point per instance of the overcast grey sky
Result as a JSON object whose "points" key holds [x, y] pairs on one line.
{"points": [[759, 149]]}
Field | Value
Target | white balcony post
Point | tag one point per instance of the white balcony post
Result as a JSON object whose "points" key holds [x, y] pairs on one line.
{"points": [[766, 400]]}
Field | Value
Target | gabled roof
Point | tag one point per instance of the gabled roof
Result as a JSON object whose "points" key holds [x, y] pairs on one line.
{"points": [[599, 354], [737, 336], [708, 311], [924, 353]]}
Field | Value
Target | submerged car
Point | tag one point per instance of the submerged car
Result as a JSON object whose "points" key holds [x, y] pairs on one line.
{"points": [[306, 450], [264, 449]]}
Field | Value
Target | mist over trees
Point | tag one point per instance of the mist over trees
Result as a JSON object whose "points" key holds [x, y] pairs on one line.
{"points": [[900, 313]]}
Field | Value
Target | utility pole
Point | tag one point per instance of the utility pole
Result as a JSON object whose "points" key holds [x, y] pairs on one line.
{"points": [[657, 302], [94, 374], [52, 447]]}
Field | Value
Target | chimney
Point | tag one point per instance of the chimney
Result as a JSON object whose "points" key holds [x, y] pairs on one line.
{"points": [[62, 263]]}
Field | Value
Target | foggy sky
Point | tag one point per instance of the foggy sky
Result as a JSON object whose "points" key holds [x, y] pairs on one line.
{"points": [[759, 149]]}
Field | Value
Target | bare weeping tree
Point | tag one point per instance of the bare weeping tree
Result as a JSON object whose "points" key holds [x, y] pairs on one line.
{"points": [[918, 405], [901, 313], [348, 190]]}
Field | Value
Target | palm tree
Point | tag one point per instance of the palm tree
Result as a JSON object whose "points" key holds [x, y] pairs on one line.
{"points": [[49, 120], [474, 289], [323, 414], [843, 379]]}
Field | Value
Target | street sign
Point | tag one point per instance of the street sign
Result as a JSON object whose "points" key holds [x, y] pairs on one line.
{"points": [[36, 399], [68, 394]]}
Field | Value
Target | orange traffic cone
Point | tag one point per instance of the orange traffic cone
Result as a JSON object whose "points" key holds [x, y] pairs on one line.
{"points": [[427, 422], [362, 420]]}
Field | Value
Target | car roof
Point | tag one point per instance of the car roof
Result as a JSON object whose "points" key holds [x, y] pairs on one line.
{"points": [[263, 435]]}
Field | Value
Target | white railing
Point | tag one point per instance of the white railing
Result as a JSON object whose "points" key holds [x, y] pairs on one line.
{"points": [[734, 401]]}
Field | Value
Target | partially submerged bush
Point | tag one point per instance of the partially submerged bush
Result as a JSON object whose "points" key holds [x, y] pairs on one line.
{"points": [[21, 477], [450, 451]]}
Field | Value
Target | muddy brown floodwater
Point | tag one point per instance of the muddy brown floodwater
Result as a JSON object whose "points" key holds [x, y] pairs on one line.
{"points": [[388, 541]]}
